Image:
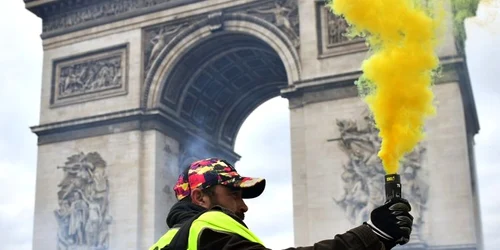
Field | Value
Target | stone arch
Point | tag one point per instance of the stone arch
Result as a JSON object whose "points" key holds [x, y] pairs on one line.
{"points": [[245, 60], [201, 31]]}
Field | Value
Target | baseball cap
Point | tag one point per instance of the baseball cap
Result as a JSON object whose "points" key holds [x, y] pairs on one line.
{"points": [[213, 171]]}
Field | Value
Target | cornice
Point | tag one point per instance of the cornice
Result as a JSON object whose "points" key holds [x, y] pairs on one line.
{"points": [[64, 16]]}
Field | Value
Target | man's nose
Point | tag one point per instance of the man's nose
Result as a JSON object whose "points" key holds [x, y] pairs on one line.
{"points": [[243, 206]]}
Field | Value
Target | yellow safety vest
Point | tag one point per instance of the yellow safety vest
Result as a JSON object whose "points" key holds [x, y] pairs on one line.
{"points": [[214, 220], [165, 239]]}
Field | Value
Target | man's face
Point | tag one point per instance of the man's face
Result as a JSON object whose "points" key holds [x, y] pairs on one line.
{"points": [[230, 199]]}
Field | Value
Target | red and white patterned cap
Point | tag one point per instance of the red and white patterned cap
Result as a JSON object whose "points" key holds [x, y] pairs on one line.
{"points": [[212, 171]]}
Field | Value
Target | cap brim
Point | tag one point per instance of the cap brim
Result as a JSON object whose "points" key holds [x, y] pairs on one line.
{"points": [[250, 187]]}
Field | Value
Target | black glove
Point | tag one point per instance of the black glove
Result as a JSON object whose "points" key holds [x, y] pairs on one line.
{"points": [[392, 222]]}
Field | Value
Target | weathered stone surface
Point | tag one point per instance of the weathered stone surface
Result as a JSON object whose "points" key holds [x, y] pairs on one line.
{"points": [[157, 38], [89, 99], [147, 116], [283, 14], [83, 213], [90, 76], [121, 153], [363, 174], [332, 34], [59, 16], [317, 144]]}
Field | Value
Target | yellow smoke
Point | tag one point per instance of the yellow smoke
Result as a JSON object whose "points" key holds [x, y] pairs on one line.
{"points": [[398, 77]]}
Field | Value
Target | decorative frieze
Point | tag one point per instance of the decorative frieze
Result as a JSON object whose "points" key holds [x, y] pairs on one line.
{"points": [[66, 15], [283, 14], [157, 37], [332, 30], [90, 76]]}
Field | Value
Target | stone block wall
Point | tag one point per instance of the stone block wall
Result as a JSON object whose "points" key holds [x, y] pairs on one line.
{"points": [[121, 153], [120, 117], [319, 169]]}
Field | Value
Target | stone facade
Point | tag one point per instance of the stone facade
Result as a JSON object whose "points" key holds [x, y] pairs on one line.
{"points": [[135, 161], [125, 97], [123, 177], [441, 169], [149, 85]]}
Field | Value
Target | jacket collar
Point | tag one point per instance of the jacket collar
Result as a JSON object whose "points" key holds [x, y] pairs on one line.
{"points": [[185, 210]]}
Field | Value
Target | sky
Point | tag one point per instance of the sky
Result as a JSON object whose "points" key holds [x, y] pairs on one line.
{"points": [[264, 135]]}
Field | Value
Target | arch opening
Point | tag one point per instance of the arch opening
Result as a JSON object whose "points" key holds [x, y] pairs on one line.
{"points": [[265, 135], [217, 83]]}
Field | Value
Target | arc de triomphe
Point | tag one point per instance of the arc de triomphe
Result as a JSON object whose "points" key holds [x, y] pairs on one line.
{"points": [[132, 90]]}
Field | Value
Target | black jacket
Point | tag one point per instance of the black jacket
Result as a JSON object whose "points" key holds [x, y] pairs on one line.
{"points": [[359, 238]]}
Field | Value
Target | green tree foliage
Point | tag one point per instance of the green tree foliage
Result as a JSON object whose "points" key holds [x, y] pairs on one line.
{"points": [[462, 9]]}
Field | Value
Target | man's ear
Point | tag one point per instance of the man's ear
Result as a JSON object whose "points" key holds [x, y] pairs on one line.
{"points": [[198, 198]]}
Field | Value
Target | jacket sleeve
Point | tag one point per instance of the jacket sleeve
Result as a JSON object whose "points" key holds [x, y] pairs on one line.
{"points": [[359, 238]]}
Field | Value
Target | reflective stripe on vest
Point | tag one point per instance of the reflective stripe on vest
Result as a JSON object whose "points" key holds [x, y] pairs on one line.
{"points": [[214, 220], [221, 222], [165, 239]]}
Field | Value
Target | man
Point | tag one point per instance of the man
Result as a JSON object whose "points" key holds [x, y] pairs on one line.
{"points": [[211, 210]]}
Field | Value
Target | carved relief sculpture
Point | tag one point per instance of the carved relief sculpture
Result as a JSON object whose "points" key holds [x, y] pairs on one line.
{"points": [[157, 38], [337, 27], [93, 76], [216, 20], [283, 14], [90, 76], [333, 34], [97, 10], [83, 214], [363, 174]]}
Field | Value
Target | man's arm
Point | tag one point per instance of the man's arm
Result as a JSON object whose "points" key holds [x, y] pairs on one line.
{"points": [[389, 225], [361, 237]]}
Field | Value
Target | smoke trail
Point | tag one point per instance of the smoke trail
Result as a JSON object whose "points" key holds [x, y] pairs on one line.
{"points": [[397, 78]]}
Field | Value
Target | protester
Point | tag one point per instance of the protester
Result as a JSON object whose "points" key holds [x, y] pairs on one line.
{"points": [[210, 211]]}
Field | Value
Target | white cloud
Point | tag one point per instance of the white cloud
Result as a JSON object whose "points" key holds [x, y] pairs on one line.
{"points": [[264, 142], [483, 55], [20, 74], [17, 185]]}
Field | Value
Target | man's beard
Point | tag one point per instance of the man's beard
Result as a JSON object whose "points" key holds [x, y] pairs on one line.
{"points": [[240, 215]]}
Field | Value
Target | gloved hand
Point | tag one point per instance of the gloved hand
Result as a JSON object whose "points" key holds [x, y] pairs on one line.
{"points": [[392, 222]]}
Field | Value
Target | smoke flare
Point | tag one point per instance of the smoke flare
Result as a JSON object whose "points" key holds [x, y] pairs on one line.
{"points": [[398, 76]]}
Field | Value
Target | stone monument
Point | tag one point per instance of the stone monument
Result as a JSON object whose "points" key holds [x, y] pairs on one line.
{"points": [[133, 90]]}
